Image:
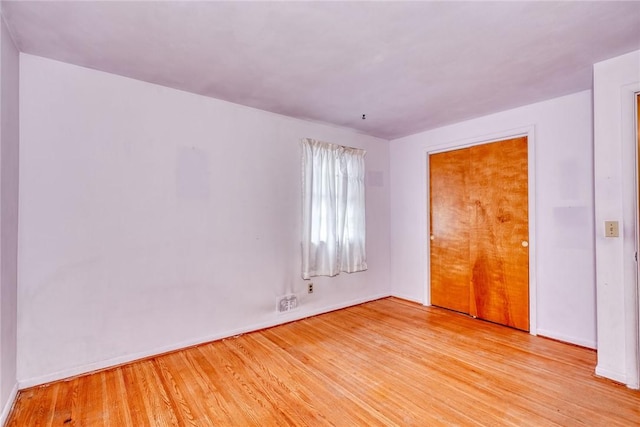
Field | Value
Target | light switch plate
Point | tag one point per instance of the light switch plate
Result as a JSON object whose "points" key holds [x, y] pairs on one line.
{"points": [[611, 229]]}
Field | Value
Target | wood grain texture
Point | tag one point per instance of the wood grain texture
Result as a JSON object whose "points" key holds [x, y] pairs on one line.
{"points": [[384, 363], [479, 220], [500, 223], [450, 268]]}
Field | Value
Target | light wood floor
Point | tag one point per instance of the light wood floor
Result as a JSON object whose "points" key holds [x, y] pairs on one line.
{"points": [[384, 363]]}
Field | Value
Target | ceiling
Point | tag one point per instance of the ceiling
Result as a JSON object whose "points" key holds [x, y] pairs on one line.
{"points": [[409, 66]]}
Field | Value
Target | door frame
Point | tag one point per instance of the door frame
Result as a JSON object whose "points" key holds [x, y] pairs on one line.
{"points": [[637, 287], [634, 365], [630, 238], [529, 132]]}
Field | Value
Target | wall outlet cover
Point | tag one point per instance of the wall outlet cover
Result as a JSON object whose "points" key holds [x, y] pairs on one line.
{"points": [[611, 229]]}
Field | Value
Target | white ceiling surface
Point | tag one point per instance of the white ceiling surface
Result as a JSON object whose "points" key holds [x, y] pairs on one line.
{"points": [[409, 66]]}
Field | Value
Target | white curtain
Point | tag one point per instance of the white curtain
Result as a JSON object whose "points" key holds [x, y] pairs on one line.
{"points": [[333, 209]]}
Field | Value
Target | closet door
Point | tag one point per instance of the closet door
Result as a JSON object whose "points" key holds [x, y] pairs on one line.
{"points": [[450, 230], [479, 231], [499, 238]]}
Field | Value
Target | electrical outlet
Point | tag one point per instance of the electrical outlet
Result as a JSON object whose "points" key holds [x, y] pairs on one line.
{"points": [[310, 288]]}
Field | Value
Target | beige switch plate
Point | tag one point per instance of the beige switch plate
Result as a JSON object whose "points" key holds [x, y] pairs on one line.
{"points": [[611, 229]]}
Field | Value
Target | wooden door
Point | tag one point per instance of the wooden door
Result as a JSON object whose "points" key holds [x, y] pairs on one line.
{"points": [[479, 231], [450, 230]]}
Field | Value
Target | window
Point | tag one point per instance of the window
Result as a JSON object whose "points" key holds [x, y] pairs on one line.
{"points": [[333, 209]]}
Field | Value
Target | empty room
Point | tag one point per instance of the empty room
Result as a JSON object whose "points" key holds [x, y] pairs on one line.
{"points": [[347, 213]]}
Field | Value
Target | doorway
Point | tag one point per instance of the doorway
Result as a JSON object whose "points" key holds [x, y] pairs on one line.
{"points": [[479, 235]]}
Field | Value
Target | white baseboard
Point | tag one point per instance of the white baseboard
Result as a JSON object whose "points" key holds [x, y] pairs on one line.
{"points": [[408, 298], [567, 339], [612, 375], [9, 405], [103, 364]]}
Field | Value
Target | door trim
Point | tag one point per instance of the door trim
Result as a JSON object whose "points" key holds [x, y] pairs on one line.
{"points": [[630, 237], [635, 382], [633, 292], [529, 132]]}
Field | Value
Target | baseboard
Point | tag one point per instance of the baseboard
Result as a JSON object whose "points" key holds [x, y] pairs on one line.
{"points": [[564, 338], [6, 410], [109, 363], [612, 375], [408, 298]]}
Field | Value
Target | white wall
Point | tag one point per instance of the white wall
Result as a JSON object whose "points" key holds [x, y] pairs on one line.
{"points": [[151, 219], [562, 247], [615, 83], [9, 77]]}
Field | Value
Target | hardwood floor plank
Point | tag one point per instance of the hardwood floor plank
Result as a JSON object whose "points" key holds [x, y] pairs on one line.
{"points": [[116, 398], [243, 407], [385, 363], [308, 387], [179, 374], [341, 384], [134, 394], [219, 410], [273, 387], [160, 408], [420, 387]]}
